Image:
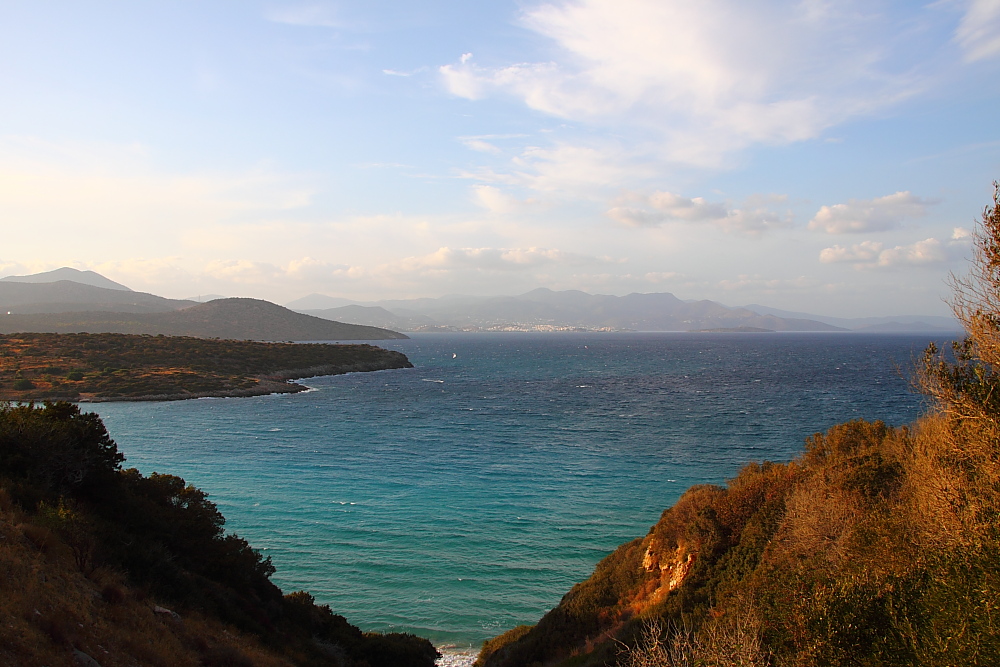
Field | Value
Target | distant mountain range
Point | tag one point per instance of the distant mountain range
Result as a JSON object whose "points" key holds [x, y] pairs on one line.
{"points": [[68, 296], [83, 277], [547, 310], [887, 324], [70, 300], [66, 306]]}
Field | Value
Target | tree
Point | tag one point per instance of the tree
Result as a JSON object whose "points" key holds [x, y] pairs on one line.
{"points": [[976, 300], [966, 386]]}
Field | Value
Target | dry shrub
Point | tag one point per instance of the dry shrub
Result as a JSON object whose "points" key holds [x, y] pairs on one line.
{"points": [[976, 297], [44, 539], [225, 656], [7, 505], [660, 645], [732, 640], [61, 631], [819, 520], [113, 593]]}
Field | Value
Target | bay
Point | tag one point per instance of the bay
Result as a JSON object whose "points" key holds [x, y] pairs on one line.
{"points": [[465, 496]]}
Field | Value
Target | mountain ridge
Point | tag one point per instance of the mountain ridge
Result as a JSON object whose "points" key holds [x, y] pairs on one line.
{"points": [[235, 318], [32, 304], [91, 278]]}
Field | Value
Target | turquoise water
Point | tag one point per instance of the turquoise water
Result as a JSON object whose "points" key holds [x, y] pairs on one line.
{"points": [[465, 496]]}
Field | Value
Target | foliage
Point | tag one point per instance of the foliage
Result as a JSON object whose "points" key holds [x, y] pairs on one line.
{"points": [[165, 538], [877, 546]]}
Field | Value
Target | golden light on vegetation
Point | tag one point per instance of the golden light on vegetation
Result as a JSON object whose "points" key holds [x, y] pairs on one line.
{"points": [[877, 546]]}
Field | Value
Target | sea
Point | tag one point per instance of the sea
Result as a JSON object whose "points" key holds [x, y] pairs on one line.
{"points": [[465, 496]]}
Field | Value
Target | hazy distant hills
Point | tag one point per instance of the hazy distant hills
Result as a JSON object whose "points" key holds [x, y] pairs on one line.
{"points": [[67, 306], [83, 277], [56, 304], [245, 319], [544, 309], [65, 296], [894, 323]]}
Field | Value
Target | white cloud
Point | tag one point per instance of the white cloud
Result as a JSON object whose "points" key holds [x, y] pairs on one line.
{"points": [[864, 252], [575, 171], [396, 72], [705, 78], [311, 15], [477, 144], [979, 31], [870, 215], [754, 217], [305, 269], [494, 199], [874, 255], [657, 277]]}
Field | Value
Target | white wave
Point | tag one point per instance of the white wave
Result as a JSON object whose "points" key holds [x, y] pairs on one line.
{"points": [[452, 656]]}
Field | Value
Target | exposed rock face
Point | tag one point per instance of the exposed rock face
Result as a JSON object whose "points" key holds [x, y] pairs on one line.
{"points": [[673, 568]]}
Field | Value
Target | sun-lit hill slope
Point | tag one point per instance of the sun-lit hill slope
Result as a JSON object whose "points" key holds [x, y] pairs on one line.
{"points": [[246, 319], [877, 546]]}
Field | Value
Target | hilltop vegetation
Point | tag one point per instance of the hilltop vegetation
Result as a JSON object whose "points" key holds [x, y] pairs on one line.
{"points": [[877, 546], [100, 562], [119, 366]]}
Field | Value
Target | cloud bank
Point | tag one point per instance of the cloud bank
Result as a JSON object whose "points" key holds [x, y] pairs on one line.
{"points": [[754, 217], [874, 255], [704, 79], [870, 215]]}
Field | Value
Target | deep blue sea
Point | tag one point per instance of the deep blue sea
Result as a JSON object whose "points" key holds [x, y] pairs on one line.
{"points": [[465, 496]]}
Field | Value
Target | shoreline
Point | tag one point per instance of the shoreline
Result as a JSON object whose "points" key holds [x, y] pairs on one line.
{"points": [[452, 656], [279, 382]]}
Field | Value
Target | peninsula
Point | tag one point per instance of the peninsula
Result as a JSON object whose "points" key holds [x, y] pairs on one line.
{"points": [[124, 367]]}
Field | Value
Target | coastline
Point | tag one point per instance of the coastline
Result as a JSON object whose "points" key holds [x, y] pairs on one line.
{"points": [[92, 368], [282, 382], [456, 657]]}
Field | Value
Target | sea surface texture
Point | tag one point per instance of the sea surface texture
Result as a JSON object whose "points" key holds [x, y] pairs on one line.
{"points": [[465, 496]]}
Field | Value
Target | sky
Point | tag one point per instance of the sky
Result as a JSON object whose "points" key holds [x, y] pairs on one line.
{"points": [[826, 157]]}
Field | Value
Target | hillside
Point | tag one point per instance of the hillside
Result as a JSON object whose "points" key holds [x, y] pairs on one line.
{"points": [[91, 367], [67, 296], [877, 546], [66, 273], [250, 319], [101, 565]]}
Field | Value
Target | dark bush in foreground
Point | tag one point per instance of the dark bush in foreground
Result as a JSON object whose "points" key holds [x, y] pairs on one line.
{"points": [[62, 469]]}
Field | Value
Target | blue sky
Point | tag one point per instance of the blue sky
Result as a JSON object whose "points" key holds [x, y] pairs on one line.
{"points": [[830, 157]]}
